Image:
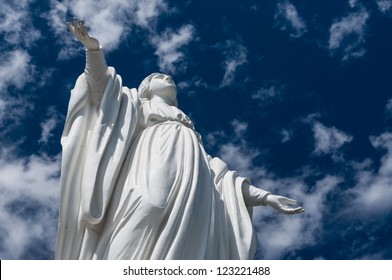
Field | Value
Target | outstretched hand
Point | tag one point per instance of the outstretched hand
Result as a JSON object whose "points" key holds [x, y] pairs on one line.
{"points": [[283, 204], [79, 30]]}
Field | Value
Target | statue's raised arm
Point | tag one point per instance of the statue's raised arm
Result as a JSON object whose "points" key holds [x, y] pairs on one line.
{"points": [[96, 70], [79, 30]]}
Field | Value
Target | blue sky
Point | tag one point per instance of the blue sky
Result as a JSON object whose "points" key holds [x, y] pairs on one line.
{"points": [[296, 95]]}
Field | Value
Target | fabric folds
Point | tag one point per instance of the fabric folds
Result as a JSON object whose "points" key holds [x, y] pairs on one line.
{"points": [[137, 184]]}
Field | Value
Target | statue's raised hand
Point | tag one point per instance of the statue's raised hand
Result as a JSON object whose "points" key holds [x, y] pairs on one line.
{"points": [[283, 204], [79, 30]]}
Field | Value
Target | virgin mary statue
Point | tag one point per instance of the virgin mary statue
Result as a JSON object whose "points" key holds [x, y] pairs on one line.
{"points": [[136, 182]]}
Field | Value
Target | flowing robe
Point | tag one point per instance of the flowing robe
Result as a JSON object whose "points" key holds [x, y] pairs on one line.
{"points": [[136, 183]]}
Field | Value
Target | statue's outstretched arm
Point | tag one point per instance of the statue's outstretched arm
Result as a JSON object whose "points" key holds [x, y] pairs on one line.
{"points": [[96, 70], [255, 196]]}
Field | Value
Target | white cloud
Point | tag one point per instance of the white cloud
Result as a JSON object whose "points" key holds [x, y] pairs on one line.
{"points": [[374, 189], [287, 18], [384, 6], [148, 10], [240, 128], [15, 23], [265, 93], [28, 204], [235, 151], [28, 186], [3, 106], [347, 35], [18, 33], [191, 86], [240, 157], [108, 21], [14, 110], [269, 92], [48, 126], [235, 56], [328, 139], [388, 109], [168, 46], [353, 3], [212, 138], [286, 135], [15, 69]]}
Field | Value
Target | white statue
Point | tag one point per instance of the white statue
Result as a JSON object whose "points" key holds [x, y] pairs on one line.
{"points": [[136, 182]]}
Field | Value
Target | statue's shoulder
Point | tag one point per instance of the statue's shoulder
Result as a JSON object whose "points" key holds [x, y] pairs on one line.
{"points": [[132, 93]]}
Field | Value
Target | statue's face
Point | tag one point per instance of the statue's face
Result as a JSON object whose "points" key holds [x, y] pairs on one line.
{"points": [[163, 86]]}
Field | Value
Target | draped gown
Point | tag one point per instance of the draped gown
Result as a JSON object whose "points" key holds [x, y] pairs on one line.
{"points": [[136, 183]]}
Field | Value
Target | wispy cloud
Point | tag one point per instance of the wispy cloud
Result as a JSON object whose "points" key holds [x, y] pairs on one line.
{"points": [[235, 54], [168, 48], [353, 3], [15, 69], [28, 206], [287, 18], [16, 23], [373, 191], [235, 151], [384, 6], [18, 33], [286, 135], [328, 140], [269, 92], [347, 35], [388, 108], [192, 86], [149, 10], [48, 125], [29, 186]]}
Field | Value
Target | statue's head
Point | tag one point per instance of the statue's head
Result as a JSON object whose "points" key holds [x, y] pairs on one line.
{"points": [[160, 85]]}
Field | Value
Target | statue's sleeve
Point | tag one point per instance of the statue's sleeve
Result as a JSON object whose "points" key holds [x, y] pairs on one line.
{"points": [[253, 196], [230, 187], [97, 73]]}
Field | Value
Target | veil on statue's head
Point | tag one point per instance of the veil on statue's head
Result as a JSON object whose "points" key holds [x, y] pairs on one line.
{"points": [[144, 87]]}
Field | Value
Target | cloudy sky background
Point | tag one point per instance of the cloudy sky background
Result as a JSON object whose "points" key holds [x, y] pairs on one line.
{"points": [[297, 95]]}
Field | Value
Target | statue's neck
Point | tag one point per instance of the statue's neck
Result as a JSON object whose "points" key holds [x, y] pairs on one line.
{"points": [[168, 101]]}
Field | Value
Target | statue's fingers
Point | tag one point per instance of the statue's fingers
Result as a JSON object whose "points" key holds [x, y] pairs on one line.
{"points": [[296, 210], [71, 28], [77, 28], [76, 23], [292, 211], [290, 201], [299, 210], [83, 31]]}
